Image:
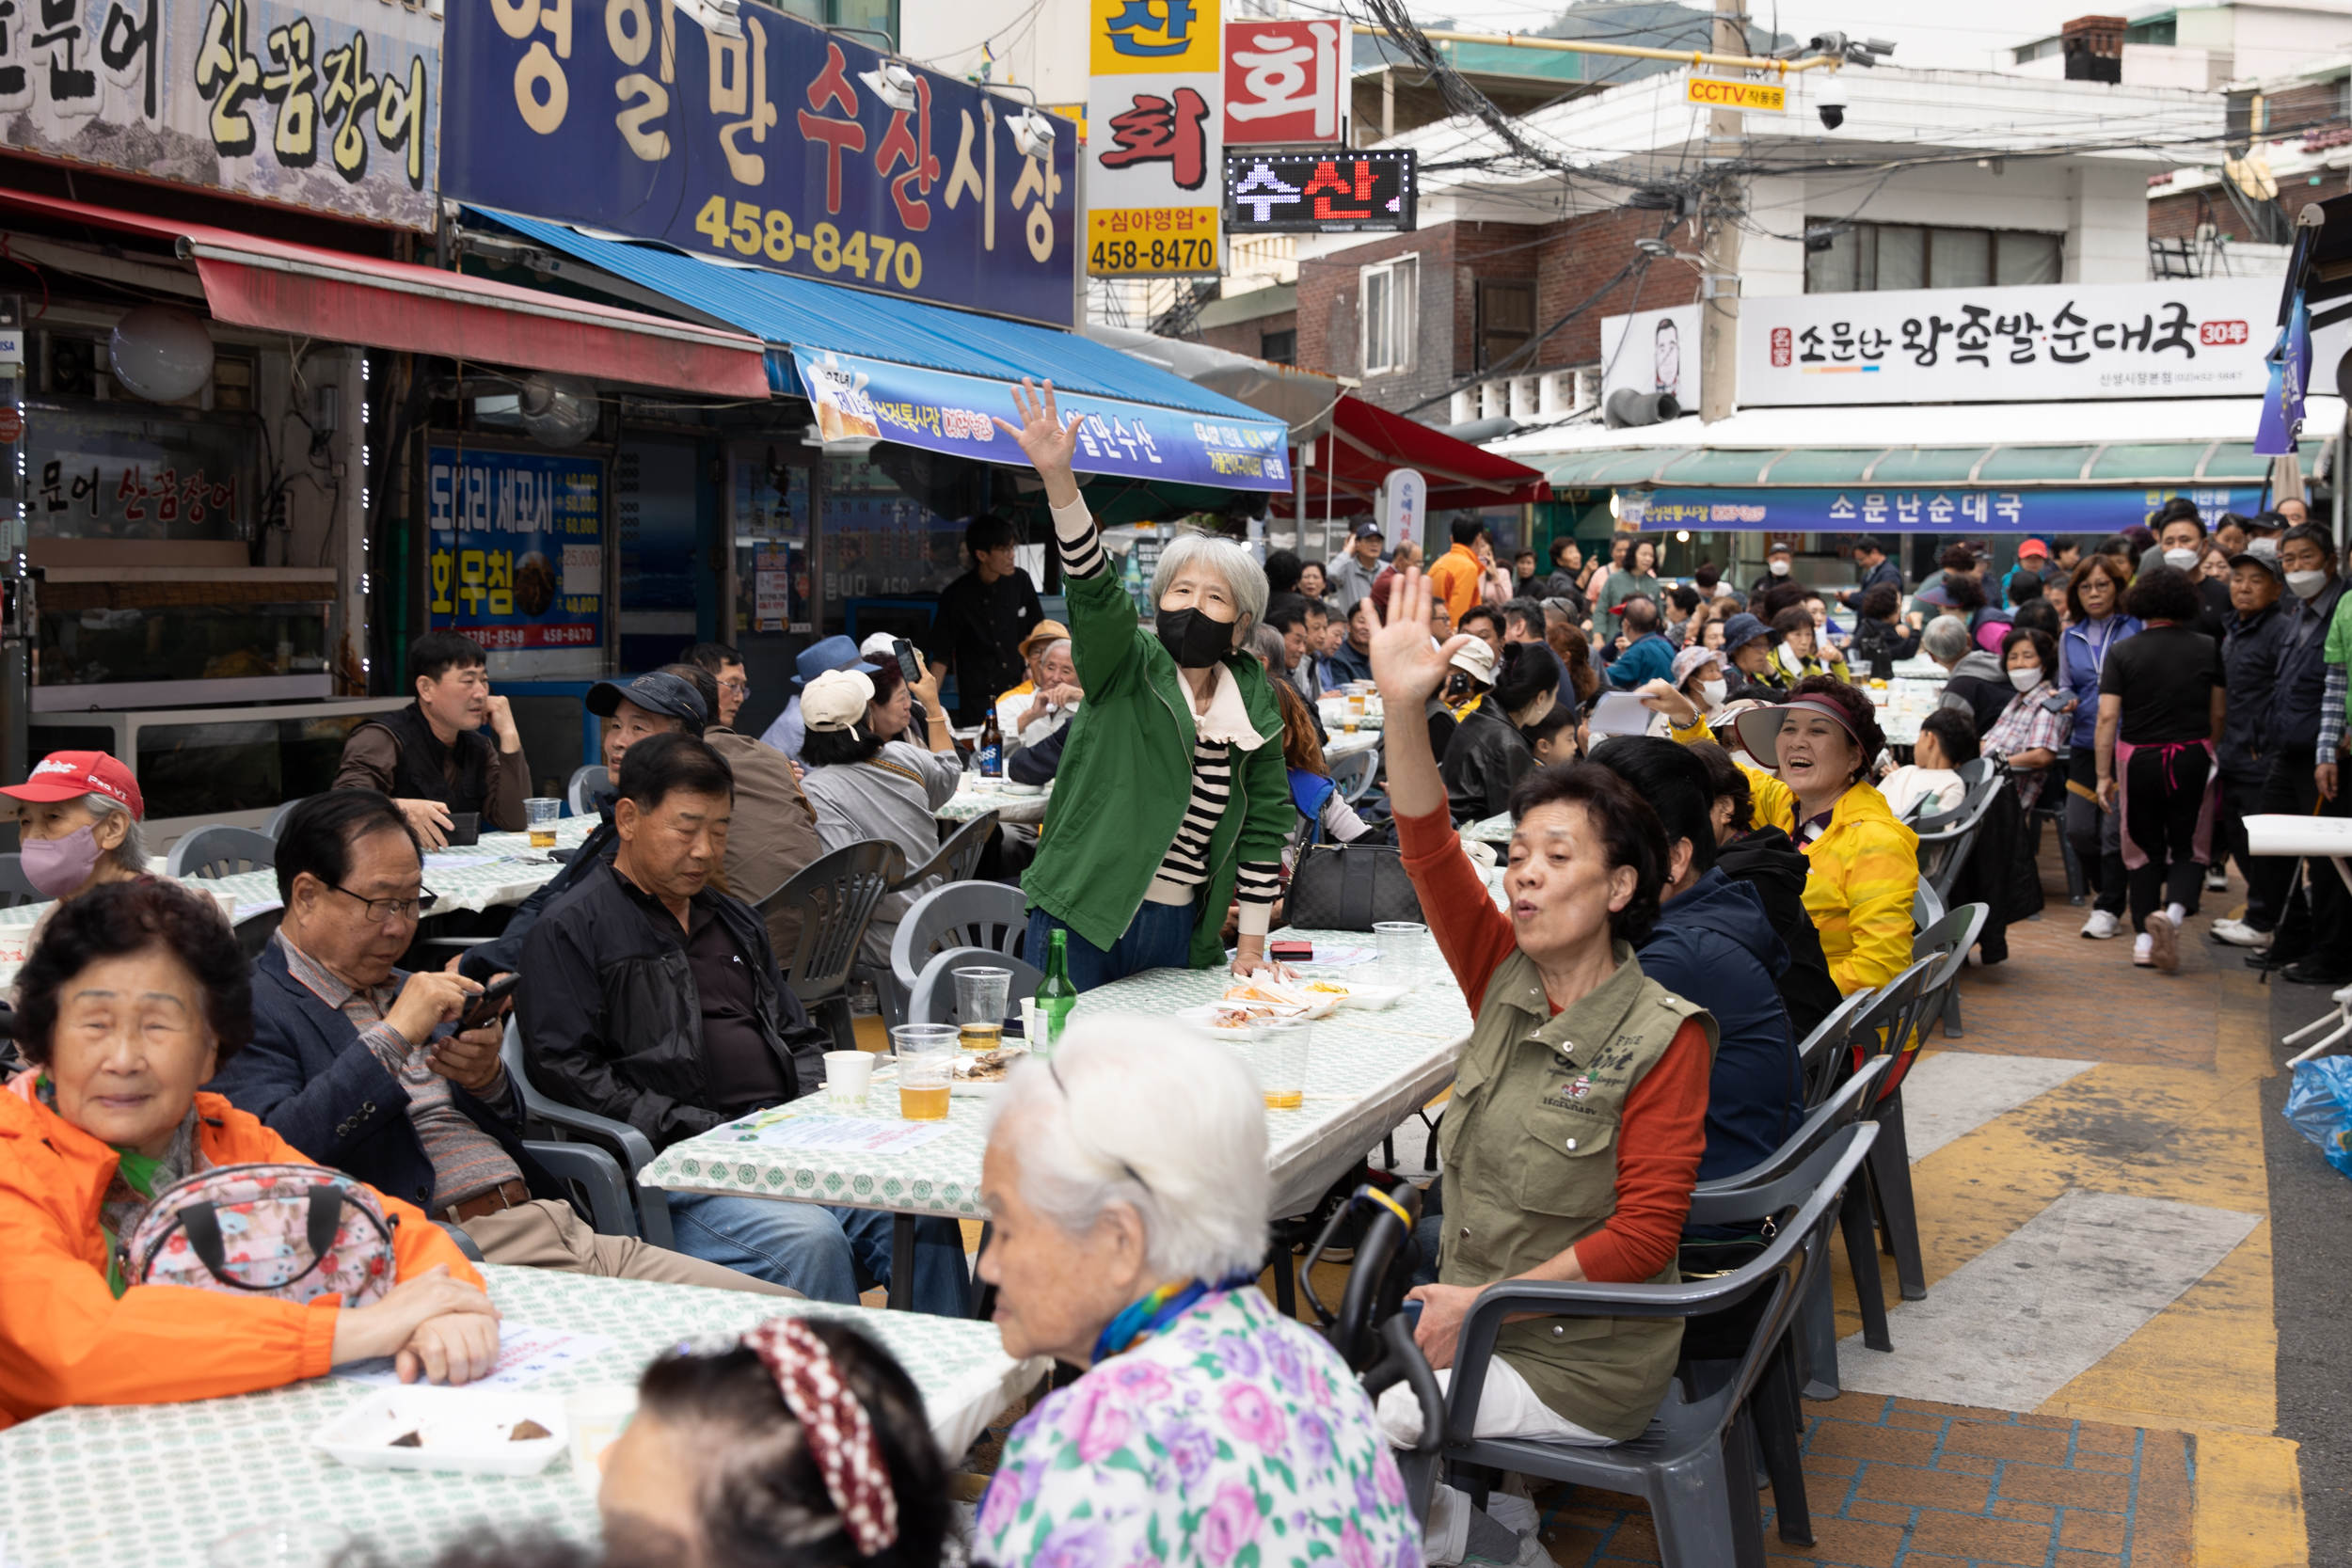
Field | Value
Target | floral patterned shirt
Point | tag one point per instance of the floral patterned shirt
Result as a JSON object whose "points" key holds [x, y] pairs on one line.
{"points": [[1234, 1435]]}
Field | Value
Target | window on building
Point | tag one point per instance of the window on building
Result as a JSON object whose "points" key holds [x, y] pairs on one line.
{"points": [[1279, 347], [1507, 319], [1868, 255], [1391, 314]]}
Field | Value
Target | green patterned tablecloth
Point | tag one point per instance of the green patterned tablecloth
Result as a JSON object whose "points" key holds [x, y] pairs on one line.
{"points": [[965, 804], [1367, 1072], [157, 1485], [1343, 744], [1494, 829]]}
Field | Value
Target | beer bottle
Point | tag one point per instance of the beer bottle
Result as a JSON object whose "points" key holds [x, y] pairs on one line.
{"points": [[991, 756], [1055, 995]]}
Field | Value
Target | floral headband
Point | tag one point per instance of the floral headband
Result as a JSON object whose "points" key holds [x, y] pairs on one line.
{"points": [[840, 1432]]}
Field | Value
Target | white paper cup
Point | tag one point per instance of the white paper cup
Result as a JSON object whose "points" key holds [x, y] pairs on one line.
{"points": [[228, 902], [848, 1076], [598, 1416]]}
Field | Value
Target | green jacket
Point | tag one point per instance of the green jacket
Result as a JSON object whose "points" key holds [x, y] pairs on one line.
{"points": [[1126, 776]]}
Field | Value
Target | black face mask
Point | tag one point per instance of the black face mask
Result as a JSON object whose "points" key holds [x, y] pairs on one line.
{"points": [[1194, 641]]}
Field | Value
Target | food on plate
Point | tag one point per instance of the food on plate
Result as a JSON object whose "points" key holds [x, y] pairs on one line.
{"points": [[1259, 991], [988, 1067], [1327, 987], [407, 1440], [525, 1430]]}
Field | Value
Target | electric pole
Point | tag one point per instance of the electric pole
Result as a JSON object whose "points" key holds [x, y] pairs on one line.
{"points": [[1722, 203]]}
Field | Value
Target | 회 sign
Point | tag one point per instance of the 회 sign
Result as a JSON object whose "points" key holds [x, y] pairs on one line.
{"points": [[1707, 93], [1285, 82], [787, 148], [1318, 191], [1156, 113], [331, 104], [2042, 343]]}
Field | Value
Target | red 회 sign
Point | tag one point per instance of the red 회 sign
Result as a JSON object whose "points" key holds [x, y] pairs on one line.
{"points": [[1285, 82]]}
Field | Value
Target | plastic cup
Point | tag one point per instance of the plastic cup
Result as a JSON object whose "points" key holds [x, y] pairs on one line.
{"points": [[1280, 1054], [980, 1005], [597, 1416], [924, 1078], [541, 811], [847, 1075], [1401, 943]]}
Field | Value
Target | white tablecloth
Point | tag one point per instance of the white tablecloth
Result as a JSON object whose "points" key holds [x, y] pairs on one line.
{"points": [[1366, 1072], [980, 797], [158, 1486]]}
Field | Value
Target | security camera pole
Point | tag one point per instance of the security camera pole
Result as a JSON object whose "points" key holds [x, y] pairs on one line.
{"points": [[1720, 210]]}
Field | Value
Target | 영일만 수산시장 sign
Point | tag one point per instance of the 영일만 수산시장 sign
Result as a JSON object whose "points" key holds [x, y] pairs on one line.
{"points": [[331, 104], [789, 148]]}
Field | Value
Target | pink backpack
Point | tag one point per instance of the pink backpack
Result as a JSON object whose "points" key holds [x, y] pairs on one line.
{"points": [[292, 1233]]}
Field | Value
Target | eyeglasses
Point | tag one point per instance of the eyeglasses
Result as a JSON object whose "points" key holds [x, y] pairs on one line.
{"points": [[382, 910], [740, 688]]}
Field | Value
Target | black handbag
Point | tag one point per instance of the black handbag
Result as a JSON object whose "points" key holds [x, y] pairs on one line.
{"points": [[1346, 887]]}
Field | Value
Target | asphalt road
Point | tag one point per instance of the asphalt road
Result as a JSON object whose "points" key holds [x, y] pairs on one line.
{"points": [[2310, 1246]]}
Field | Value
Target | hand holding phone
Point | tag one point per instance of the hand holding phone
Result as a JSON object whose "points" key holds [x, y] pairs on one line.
{"points": [[908, 666], [490, 1004]]}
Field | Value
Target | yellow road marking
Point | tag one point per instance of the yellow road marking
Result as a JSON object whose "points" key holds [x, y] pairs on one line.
{"points": [[2248, 1503]]}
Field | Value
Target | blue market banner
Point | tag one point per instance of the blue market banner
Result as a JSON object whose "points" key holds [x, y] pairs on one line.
{"points": [[1950, 510], [858, 398], [517, 556], [777, 148]]}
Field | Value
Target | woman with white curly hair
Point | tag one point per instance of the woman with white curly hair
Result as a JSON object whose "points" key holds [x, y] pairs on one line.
{"points": [[1127, 1183]]}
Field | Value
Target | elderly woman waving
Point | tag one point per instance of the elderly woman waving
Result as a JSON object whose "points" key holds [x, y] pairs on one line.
{"points": [[1171, 798], [1127, 1182], [1574, 1135]]}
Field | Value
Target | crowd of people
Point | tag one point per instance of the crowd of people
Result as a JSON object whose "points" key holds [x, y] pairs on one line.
{"points": [[1677, 911]]}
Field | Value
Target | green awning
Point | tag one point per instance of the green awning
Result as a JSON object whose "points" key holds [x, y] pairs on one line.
{"points": [[1812, 465], [2033, 464], [1910, 465], [1707, 466]]}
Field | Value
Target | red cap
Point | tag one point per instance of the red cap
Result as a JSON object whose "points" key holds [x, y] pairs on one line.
{"points": [[2032, 547], [70, 775]]}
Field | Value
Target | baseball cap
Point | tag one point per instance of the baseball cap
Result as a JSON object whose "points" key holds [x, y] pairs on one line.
{"points": [[1780, 546], [1476, 659], [832, 653], [1369, 530], [656, 692], [1740, 630], [836, 700], [2031, 546], [1045, 631], [881, 645], [70, 775], [2266, 560]]}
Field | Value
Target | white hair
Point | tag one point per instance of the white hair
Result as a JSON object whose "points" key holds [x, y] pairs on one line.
{"points": [[130, 855], [1059, 645], [1244, 578], [1138, 1112], [1945, 638]]}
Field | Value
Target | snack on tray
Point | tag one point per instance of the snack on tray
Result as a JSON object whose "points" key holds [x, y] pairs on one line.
{"points": [[988, 1067], [1259, 991], [1327, 987], [525, 1430], [407, 1440]]}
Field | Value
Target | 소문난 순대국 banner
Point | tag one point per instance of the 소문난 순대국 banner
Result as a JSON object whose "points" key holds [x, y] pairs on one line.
{"points": [[1947, 509], [867, 398]]}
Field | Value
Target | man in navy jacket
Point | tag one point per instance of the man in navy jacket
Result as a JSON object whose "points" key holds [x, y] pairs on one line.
{"points": [[357, 1063]]}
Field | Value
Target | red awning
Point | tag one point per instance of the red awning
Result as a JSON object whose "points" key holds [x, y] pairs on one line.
{"points": [[1365, 442], [307, 292]]}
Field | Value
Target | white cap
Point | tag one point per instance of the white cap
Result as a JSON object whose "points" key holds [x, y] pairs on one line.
{"points": [[880, 646], [1477, 659], [836, 700]]}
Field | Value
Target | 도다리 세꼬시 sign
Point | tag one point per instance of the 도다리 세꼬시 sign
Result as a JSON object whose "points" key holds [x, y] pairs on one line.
{"points": [[515, 559], [787, 148], [329, 104], [865, 399]]}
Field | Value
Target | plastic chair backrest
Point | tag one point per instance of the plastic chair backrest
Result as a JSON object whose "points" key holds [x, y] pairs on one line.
{"points": [[220, 851], [1949, 939], [1926, 905], [1352, 774], [1828, 1037], [276, 819], [961, 914], [583, 780], [1719, 1202], [836, 895], [15, 887], [957, 858], [1893, 1016], [932, 998]]}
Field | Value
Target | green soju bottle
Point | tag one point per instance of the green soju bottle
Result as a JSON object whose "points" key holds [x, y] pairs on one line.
{"points": [[1055, 995]]}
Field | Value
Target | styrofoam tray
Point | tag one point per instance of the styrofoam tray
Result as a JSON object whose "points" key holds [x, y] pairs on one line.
{"points": [[460, 1429], [1372, 998]]}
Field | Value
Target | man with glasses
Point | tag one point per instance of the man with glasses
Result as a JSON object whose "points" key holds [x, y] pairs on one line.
{"points": [[725, 667], [357, 1064]]}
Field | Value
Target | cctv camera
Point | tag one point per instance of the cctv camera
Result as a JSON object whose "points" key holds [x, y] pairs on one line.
{"points": [[1831, 103], [1833, 116]]}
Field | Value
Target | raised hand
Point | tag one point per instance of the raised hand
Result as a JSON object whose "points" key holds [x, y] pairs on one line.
{"points": [[1407, 666], [1045, 438]]}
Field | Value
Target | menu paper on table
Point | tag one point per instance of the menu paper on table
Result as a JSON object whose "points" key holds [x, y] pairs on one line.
{"points": [[526, 1355], [1620, 712]]}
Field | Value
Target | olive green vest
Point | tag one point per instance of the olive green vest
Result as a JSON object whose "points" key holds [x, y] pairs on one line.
{"points": [[1531, 1169]]}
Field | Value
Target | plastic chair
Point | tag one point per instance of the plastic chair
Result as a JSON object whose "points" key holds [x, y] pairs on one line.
{"points": [[614, 1195], [1950, 939], [835, 895], [1695, 1462], [219, 851], [15, 887], [1926, 905], [957, 859], [1947, 839], [961, 914], [933, 998], [276, 819], [1892, 1020], [583, 780], [1818, 1053], [1352, 774]]}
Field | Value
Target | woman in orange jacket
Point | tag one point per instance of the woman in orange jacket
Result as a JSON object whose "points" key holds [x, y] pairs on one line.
{"points": [[136, 995]]}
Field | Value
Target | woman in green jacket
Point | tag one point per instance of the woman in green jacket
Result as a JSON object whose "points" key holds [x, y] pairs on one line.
{"points": [[1171, 801]]}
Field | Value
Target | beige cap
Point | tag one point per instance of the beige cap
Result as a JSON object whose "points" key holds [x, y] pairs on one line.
{"points": [[836, 700], [1477, 659]]}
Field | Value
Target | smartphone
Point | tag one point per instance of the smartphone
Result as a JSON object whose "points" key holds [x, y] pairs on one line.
{"points": [[909, 665], [489, 1004]]}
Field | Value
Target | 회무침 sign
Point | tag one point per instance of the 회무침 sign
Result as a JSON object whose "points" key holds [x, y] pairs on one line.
{"points": [[1318, 190]]}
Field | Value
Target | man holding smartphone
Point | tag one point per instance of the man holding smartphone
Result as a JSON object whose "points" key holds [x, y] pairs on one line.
{"points": [[983, 619]]}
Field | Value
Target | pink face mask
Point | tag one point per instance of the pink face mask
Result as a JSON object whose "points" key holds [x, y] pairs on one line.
{"points": [[59, 865]]}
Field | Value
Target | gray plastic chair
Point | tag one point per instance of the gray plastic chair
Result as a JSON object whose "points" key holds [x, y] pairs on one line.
{"points": [[1948, 838], [1352, 774], [1894, 1016], [1696, 1462], [278, 818], [835, 895], [957, 860], [1949, 939], [1926, 905], [584, 779], [15, 887], [934, 996], [1816, 1054], [219, 851], [613, 1193], [961, 914]]}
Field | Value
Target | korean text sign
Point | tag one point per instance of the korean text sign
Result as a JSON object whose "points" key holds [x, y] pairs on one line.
{"points": [[516, 560], [1285, 82], [781, 149], [1155, 104], [331, 104], [946, 413], [2046, 342], [1884, 509], [1319, 192]]}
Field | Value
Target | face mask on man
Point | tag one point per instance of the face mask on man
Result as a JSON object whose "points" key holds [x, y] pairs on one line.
{"points": [[2263, 547], [2305, 583], [2025, 681], [1777, 568], [2181, 558]]}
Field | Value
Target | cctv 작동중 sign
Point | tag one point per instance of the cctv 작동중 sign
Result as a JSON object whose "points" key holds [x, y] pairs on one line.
{"points": [[1708, 92], [1318, 190], [2038, 343]]}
